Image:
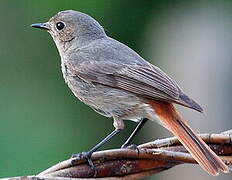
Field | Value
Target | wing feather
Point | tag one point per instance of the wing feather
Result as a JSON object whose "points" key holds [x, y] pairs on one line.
{"points": [[143, 80]]}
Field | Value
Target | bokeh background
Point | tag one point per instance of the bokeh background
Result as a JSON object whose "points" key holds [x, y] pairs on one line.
{"points": [[41, 122]]}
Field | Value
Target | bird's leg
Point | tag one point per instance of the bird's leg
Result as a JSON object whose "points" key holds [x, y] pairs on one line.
{"points": [[119, 126], [87, 155], [136, 130]]}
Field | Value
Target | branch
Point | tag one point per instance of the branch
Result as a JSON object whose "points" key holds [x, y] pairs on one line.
{"points": [[124, 164]]}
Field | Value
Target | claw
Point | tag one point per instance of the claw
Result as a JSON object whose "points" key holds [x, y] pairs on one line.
{"points": [[83, 156], [131, 146]]}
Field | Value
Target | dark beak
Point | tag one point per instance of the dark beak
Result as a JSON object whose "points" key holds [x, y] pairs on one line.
{"points": [[41, 26]]}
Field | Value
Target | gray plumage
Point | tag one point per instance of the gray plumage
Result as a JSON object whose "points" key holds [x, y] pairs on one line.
{"points": [[106, 74], [116, 82]]}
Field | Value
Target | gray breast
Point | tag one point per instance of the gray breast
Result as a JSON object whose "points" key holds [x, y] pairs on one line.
{"points": [[105, 100]]}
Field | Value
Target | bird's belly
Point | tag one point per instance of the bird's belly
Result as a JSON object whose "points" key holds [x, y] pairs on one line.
{"points": [[105, 100]]}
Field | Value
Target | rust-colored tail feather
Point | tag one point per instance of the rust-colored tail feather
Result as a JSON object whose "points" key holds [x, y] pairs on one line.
{"points": [[201, 152]]}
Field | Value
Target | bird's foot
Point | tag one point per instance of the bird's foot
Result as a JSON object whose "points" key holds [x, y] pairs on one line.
{"points": [[83, 156], [131, 146]]}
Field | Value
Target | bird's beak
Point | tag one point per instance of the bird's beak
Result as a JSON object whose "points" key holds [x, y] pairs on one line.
{"points": [[41, 26]]}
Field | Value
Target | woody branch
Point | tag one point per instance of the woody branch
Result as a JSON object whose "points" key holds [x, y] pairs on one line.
{"points": [[124, 164]]}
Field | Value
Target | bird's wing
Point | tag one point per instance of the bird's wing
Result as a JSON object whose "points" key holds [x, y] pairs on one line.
{"points": [[147, 80]]}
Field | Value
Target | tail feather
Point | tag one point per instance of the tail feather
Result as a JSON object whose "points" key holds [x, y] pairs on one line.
{"points": [[201, 152]]}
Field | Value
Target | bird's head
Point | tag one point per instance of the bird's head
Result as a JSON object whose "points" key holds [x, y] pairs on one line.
{"points": [[72, 27]]}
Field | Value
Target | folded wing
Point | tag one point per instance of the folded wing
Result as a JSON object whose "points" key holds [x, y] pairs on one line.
{"points": [[147, 80]]}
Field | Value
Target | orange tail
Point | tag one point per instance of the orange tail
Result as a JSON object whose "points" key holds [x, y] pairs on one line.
{"points": [[200, 151]]}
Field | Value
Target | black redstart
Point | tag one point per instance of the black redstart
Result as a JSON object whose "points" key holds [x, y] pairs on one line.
{"points": [[116, 82]]}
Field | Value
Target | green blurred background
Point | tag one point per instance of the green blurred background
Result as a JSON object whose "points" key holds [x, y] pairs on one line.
{"points": [[41, 122]]}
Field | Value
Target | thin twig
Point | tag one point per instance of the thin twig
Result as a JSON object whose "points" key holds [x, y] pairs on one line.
{"points": [[126, 164]]}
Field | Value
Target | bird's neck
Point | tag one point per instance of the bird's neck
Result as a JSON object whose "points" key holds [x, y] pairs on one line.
{"points": [[84, 40], [75, 43]]}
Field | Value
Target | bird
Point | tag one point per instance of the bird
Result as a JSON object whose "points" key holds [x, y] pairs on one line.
{"points": [[118, 83]]}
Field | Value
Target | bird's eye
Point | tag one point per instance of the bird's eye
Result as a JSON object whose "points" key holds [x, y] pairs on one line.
{"points": [[60, 25]]}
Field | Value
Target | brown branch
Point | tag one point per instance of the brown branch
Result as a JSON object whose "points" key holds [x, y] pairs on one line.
{"points": [[125, 164]]}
